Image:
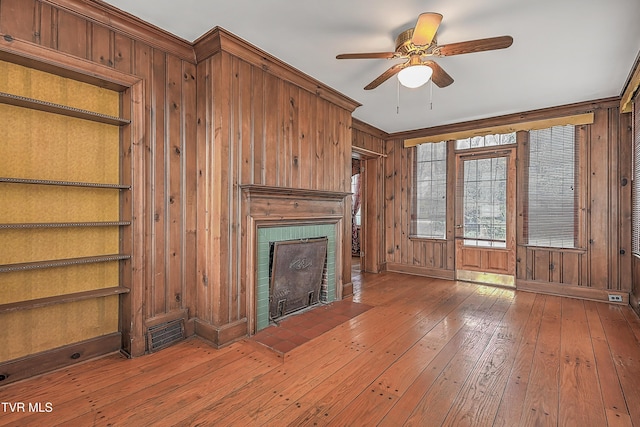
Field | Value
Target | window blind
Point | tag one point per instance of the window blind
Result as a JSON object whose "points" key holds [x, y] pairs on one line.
{"points": [[635, 244], [429, 217], [551, 217]]}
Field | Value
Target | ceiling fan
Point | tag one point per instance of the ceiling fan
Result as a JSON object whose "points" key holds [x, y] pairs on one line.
{"points": [[418, 43]]}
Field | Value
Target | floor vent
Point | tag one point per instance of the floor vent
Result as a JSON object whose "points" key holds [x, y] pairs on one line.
{"points": [[165, 334]]}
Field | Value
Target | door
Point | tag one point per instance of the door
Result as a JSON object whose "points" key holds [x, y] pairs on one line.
{"points": [[485, 217]]}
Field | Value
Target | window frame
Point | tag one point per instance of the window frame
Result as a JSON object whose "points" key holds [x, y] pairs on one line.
{"points": [[581, 139], [635, 178], [413, 234]]}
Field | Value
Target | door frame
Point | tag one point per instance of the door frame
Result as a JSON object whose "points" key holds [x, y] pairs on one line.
{"points": [[495, 266], [371, 208]]}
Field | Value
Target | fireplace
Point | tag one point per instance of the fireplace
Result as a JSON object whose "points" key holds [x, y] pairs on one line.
{"points": [[275, 217], [283, 236], [296, 272]]}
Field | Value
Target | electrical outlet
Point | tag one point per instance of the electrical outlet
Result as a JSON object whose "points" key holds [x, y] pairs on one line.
{"points": [[615, 298]]}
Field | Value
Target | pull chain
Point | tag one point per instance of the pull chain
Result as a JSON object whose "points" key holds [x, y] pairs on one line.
{"points": [[397, 96], [430, 94]]}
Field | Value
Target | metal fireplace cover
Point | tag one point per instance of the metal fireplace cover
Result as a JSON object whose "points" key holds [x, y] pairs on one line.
{"points": [[297, 269]]}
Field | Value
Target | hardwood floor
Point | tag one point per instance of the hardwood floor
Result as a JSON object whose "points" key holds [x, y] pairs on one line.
{"points": [[429, 353]]}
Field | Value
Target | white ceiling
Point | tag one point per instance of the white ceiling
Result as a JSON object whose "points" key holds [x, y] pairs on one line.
{"points": [[564, 51]]}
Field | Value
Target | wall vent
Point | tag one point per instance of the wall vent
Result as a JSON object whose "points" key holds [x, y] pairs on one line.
{"points": [[165, 334]]}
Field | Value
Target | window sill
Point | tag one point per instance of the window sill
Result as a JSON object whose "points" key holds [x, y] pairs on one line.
{"points": [[554, 249], [423, 238]]}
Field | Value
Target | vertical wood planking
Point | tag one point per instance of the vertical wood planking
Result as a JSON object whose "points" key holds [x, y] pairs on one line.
{"points": [[158, 185], [312, 141], [71, 34], [102, 44], [294, 136], [234, 173], [204, 148], [123, 53], [388, 201], [45, 14], [190, 279], [13, 16], [406, 184], [174, 159], [625, 155], [613, 257], [223, 129], [304, 136], [246, 111], [397, 203], [599, 186], [451, 203], [327, 145], [282, 150], [541, 265], [258, 135], [271, 131], [142, 67], [570, 270], [216, 191]]}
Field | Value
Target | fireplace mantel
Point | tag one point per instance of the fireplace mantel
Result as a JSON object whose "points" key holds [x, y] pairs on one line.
{"points": [[269, 191], [276, 207]]}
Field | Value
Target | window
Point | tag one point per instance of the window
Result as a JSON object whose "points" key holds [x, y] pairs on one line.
{"points": [[430, 191], [486, 141], [484, 202], [551, 214], [356, 198], [635, 243]]}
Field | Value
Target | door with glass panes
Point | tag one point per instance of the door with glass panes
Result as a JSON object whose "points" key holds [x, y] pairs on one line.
{"points": [[485, 216]]}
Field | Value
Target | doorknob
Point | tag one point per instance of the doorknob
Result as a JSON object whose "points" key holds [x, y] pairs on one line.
{"points": [[458, 226]]}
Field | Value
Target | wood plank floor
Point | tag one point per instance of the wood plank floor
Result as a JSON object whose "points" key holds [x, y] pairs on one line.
{"points": [[429, 353]]}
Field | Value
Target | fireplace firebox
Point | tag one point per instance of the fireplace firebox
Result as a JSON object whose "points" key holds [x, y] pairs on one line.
{"points": [[296, 270]]}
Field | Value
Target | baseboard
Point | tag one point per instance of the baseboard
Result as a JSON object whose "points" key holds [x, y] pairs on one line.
{"points": [[581, 292], [634, 302], [347, 290], [46, 361], [221, 335], [437, 273]]}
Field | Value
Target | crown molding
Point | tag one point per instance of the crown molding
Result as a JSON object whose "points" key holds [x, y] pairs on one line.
{"points": [[122, 22], [219, 40]]}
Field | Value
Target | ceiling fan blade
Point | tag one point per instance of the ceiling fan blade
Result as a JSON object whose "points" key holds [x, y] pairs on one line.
{"points": [[472, 46], [426, 28], [439, 76], [385, 76], [372, 55]]}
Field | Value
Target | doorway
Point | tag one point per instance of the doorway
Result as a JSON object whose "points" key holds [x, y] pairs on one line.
{"points": [[371, 218], [357, 178], [485, 217]]}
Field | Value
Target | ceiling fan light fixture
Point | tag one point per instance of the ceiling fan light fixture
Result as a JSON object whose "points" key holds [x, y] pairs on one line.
{"points": [[414, 76]]}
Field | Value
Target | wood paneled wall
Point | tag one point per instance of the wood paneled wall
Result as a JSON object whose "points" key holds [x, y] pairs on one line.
{"points": [[603, 266], [404, 253], [239, 117], [368, 144], [98, 34], [257, 125], [635, 120]]}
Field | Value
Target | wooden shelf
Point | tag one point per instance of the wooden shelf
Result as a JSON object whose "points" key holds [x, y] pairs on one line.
{"points": [[63, 183], [64, 224], [49, 107], [61, 299], [6, 268]]}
